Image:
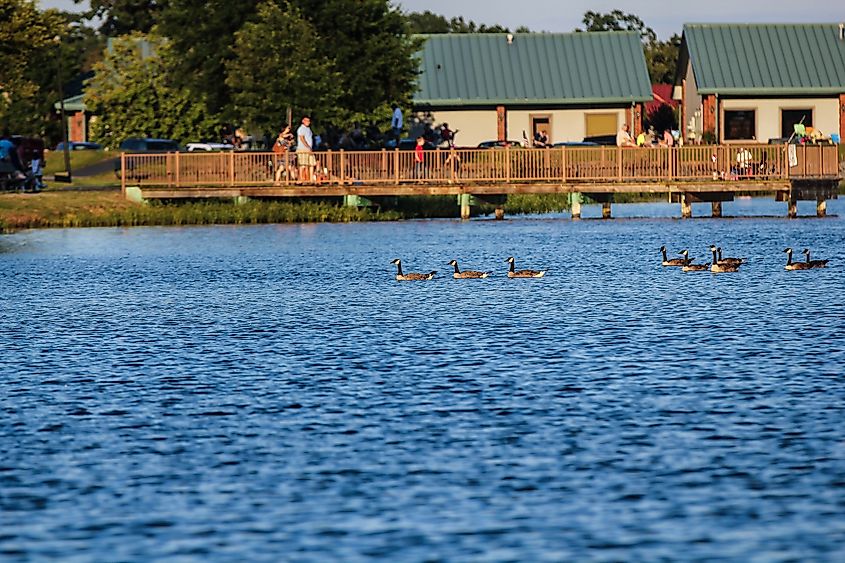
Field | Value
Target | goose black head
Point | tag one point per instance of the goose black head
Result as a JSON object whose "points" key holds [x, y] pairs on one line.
{"points": [[452, 263], [509, 259], [788, 250], [663, 248], [395, 261]]}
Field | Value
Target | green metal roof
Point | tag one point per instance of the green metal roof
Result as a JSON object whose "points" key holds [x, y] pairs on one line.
{"points": [[766, 59], [74, 103], [535, 69]]}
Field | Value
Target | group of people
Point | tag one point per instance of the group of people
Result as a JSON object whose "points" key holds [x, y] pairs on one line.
{"points": [[303, 142], [644, 139], [22, 162]]}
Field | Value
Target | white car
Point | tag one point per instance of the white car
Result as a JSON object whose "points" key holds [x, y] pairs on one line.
{"points": [[194, 147]]}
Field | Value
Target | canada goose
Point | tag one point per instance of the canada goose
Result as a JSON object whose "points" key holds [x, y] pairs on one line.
{"points": [[689, 266], [719, 268], [467, 274], [512, 273], [673, 261], [728, 261], [790, 265], [412, 276], [815, 263]]}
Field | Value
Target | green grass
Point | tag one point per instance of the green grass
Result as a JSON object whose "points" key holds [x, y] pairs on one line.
{"points": [[55, 160]]}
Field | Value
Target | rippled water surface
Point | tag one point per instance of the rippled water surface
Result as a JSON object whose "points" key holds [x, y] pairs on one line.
{"points": [[270, 393]]}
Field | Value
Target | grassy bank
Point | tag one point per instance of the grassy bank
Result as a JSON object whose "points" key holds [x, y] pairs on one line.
{"points": [[60, 208]]}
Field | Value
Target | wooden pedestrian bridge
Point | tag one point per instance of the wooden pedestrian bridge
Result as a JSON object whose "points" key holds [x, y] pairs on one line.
{"points": [[697, 173]]}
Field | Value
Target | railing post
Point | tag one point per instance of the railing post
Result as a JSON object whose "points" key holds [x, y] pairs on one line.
{"points": [[396, 169], [231, 168], [178, 173], [563, 164], [619, 163], [123, 173], [508, 164], [342, 166]]}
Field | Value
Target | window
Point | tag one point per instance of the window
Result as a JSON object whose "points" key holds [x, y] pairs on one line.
{"points": [[601, 124], [789, 118], [740, 125]]}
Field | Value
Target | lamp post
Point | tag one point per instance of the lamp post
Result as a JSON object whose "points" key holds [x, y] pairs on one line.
{"points": [[66, 145]]}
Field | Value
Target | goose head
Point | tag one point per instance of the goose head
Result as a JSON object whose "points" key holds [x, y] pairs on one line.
{"points": [[684, 253], [788, 250], [713, 248], [805, 251], [509, 259], [396, 261], [452, 263], [663, 248]]}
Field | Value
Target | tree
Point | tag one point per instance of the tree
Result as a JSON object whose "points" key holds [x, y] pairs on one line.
{"points": [[121, 17], [661, 56], [202, 33], [134, 96], [30, 53], [429, 23], [265, 82], [370, 50]]}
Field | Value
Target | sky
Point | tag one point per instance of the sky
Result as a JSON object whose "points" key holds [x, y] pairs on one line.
{"points": [[664, 16]]}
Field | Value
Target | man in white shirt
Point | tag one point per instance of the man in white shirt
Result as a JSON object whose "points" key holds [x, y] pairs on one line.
{"points": [[396, 122], [623, 138], [305, 149]]}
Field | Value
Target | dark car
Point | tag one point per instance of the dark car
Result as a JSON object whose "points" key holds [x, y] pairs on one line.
{"points": [[80, 146], [575, 144], [606, 140], [149, 145], [498, 144], [411, 144]]}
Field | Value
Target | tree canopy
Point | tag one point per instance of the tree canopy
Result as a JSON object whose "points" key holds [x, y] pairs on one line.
{"points": [[429, 22]]}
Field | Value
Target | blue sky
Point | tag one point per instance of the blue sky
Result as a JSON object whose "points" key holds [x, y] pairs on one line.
{"points": [[664, 16]]}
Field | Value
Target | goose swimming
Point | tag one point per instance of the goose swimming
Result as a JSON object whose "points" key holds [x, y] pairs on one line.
{"points": [[728, 261], [790, 265], [467, 274], [814, 263], [513, 273], [410, 276], [689, 266], [719, 268], [673, 261]]}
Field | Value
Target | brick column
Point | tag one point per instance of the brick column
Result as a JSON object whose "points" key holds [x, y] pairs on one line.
{"points": [[502, 123], [842, 118], [708, 117]]}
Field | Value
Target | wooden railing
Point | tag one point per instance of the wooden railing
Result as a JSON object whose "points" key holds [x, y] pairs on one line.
{"points": [[510, 165]]}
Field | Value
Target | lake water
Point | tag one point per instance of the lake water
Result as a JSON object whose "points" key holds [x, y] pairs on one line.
{"points": [[269, 393]]}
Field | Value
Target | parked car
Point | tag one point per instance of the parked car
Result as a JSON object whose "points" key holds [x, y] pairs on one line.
{"points": [[79, 146], [411, 144], [498, 144], [607, 140], [209, 146], [575, 144], [149, 145]]}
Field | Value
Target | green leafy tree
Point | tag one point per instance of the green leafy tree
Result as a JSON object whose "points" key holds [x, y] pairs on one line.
{"points": [[121, 17], [202, 33], [617, 21], [134, 96], [264, 82], [429, 22], [368, 46], [27, 41]]}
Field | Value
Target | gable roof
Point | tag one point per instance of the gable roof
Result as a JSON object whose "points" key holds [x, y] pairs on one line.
{"points": [[536, 68], [766, 59]]}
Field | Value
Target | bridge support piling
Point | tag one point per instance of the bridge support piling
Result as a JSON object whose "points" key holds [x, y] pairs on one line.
{"points": [[240, 200], [500, 213], [465, 206], [575, 205], [716, 209], [686, 206], [792, 207], [605, 210], [821, 206]]}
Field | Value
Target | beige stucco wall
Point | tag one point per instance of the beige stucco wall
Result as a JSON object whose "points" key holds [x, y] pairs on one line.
{"points": [[768, 118], [692, 104], [475, 126]]}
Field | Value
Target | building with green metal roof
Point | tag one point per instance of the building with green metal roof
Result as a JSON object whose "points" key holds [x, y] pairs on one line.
{"points": [[497, 86], [755, 82]]}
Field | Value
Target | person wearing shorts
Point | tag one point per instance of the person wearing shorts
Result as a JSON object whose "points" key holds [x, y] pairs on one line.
{"points": [[305, 150]]}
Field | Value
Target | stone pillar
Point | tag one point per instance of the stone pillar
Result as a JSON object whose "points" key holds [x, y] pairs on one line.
{"points": [[500, 213], [465, 207], [686, 207], [575, 205], [716, 208], [605, 210], [709, 107], [842, 118], [502, 123], [792, 207], [821, 206]]}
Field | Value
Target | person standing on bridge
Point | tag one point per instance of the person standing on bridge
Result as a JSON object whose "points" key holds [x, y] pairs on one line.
{"points": [[305, 149], [419, 159]]}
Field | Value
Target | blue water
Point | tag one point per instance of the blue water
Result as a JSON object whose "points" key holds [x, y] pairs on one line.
{"points": [[270, 393]]}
